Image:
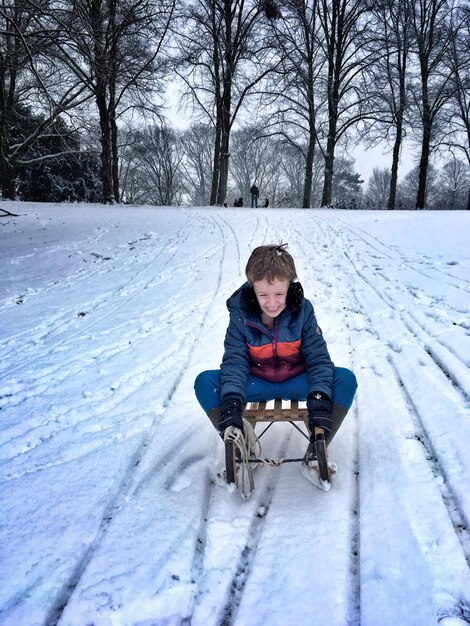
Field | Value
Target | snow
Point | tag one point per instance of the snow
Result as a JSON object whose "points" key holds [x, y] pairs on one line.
{"points": [[110, 511]]}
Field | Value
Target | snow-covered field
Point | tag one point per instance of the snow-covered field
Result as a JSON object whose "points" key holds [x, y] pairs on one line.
{"points": [[109, 512]]}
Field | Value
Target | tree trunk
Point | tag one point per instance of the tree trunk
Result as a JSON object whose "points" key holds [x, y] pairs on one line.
{"points": [[101, 65], [334, 68], [107, 196], [392, 198], [311, 136], [402, 65], [424, 161], [216, 166], [329, 170], [6, 170], [224, 145], [8, 181], [226, 104], [112, 104], [308, 173], [224, 160], [114, 157]]}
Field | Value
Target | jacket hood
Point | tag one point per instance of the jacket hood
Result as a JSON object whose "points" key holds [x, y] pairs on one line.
{"points": [[244, 299]]}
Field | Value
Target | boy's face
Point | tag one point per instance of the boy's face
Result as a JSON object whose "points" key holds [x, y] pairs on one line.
{"points": [[271, 296]]}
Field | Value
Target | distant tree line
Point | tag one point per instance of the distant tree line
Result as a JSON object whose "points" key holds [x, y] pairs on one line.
{"points": [[279, 91]]}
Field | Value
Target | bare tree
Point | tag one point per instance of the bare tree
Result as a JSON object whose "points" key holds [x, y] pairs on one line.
{"points": [[452, 186], [196, 166], [430, 19], [378, 188], [28, 75], [256, 160], [317, 93], [408, 188], [291, 94], [345, 35], [114, 48], [292, 165], [220, 61], [459, 61], [154, 166], [387, 82]]}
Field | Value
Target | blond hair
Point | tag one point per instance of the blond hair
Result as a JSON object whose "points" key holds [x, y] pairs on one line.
{"points": [[270, 262]]}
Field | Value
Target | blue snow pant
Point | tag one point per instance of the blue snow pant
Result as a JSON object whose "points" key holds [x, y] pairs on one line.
{"points": [[207, 389]]}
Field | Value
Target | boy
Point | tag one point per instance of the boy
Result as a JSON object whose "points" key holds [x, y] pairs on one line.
{"points": [[274, 348]]}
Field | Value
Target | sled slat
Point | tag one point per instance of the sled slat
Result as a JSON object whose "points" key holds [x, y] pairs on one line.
{"points": [[258, 412]]}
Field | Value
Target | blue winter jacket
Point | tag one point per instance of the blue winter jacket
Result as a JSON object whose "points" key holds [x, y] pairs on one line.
{"points": [[293, 346]]}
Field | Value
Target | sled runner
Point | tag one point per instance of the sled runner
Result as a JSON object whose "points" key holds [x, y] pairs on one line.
{"points": [[240, 451]]}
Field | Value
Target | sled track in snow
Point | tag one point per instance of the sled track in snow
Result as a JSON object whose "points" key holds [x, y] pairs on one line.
{"points": [[39, 433], [447, 364], [443, 355], [14, 301], [134, 478], [354, 611], [114, 505], [450, 498], [262, 498], [253, 240], [393, 254], [61, 324], [458, 517], [261, 501], [421, 336], [355, 548], [244, 566], [118, 500], [130, 484], [418, 333]]}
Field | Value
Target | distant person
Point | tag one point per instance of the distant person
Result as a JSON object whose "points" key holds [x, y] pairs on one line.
{"points": [[254, 191], [238, 202], [266, 203]]}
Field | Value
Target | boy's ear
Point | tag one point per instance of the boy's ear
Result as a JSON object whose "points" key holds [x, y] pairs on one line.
{"points": [[295, 295]]}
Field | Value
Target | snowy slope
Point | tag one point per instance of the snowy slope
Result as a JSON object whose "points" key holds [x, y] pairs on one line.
{"points": [[110, 514]]}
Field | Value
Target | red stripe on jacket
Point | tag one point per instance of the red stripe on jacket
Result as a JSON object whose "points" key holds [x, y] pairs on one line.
{"points": [[277, 361], [284, 348]]}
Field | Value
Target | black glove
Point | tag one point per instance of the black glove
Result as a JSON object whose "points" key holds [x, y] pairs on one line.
{"points": [[319, 411], [231, 413]]}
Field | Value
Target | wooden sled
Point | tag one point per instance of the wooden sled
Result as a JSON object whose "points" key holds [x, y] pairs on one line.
{"points": [[256, 412]]}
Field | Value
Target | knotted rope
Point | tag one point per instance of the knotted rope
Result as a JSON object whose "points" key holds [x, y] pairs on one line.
{"points": [[249, 452]]}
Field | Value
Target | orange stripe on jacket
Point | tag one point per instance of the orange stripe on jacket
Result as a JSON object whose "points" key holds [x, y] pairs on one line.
{"points": [[284, 348]]}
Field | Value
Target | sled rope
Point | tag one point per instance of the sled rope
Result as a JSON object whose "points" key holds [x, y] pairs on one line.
{"points": [[248, 446]]}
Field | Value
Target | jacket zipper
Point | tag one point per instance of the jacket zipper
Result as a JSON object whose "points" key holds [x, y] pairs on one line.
{"points": [[276, 334], [272, 337]]}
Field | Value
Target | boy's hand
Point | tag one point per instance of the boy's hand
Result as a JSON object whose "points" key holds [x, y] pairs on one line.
{"points": [[320, 410], [231, 413]]}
